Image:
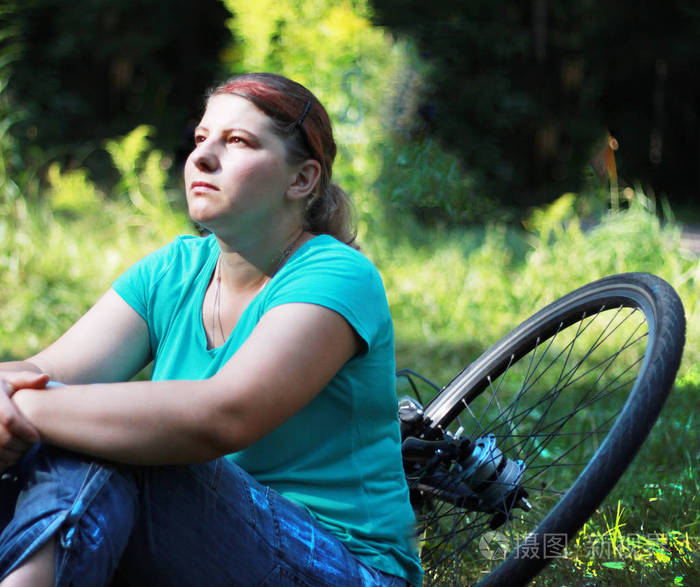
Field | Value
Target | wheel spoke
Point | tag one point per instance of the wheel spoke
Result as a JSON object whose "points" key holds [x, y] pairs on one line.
{"points": [[542, 401]]}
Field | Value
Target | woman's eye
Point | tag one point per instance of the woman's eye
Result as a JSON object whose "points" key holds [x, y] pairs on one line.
{"points": [[236, 140], [198, 139]]}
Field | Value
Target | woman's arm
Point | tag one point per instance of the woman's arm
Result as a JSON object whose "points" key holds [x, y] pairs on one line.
{"points": [[293, 352], [14, 366], [109, 343]]}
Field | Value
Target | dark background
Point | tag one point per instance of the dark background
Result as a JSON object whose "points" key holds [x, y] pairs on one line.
{"points": [[523, 92]]}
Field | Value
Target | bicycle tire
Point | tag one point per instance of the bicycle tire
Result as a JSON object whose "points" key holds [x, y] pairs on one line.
{"points": [[531, 422]]}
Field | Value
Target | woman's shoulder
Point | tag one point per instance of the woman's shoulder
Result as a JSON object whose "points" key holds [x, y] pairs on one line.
{"points": [[187, 253], [192, 242], [188, 248], [327, 259], [324, 266], [325, 247]]}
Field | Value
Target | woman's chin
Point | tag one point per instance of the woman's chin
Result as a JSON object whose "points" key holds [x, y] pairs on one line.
{"points": [[210, 222], [200, 214]]}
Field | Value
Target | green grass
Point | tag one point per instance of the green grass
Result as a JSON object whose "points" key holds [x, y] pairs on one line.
{"points": [[456, 292], [61, 251], [452, 293]]}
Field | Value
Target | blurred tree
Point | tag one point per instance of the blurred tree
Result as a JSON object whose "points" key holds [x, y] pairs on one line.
{"points": [[526, 93], [506, 101], [94, 69], [10, 51], [332, 48], [646, 57]]}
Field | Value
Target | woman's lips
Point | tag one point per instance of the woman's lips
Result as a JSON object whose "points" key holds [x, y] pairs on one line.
{"points": [[202, 186]]}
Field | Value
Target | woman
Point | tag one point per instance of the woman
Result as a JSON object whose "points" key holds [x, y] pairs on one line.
{"points": [[265, 450]]}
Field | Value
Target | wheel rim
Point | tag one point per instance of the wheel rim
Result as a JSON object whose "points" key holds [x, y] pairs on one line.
{"points": [[551, 406]]}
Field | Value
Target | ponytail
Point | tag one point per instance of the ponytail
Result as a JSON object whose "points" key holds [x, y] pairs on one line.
{"points": [[331, 213]]}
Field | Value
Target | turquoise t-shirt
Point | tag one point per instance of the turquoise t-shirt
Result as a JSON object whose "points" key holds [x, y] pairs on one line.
{"points": [[339, 457]]}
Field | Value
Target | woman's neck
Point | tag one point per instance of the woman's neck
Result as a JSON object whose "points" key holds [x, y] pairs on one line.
{"points": [[249, 263]]}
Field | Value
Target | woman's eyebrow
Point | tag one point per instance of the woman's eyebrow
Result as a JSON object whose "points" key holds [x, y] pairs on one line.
{"points": [[226, 129]]}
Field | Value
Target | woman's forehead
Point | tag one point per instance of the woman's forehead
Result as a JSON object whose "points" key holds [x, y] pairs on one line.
{"points": [[228, 110]]}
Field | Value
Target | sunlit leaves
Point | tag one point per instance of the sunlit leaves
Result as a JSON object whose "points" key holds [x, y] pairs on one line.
{"points": [[332, 48]]}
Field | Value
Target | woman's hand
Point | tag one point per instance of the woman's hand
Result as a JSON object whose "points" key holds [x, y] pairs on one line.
{"points": [[17, 434]]}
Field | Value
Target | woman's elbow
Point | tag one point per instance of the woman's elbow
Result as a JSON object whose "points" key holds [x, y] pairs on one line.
{"points": [[227, 428]]}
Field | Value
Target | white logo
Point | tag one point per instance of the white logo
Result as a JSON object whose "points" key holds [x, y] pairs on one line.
{"points": [[493, 545]]}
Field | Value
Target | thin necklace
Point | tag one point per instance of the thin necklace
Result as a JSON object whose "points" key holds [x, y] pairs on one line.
{"points": [[216, 310], [217, 303], [286, 253]]}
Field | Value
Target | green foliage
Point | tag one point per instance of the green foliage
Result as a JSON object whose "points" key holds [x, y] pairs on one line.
{"points": [[372, 86], [516, 93], [420, 177], [465, 289], [144, 176], [93, 69], [59, 253], [492, 97], [452, 292], [10, 51], [522, 92], [72, 192], [352, 67]]}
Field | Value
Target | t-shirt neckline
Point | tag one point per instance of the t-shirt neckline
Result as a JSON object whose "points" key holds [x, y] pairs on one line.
{"points": [[209, 268]]}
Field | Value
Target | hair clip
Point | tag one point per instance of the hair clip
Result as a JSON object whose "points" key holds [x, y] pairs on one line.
{"points": [[303, 114]]}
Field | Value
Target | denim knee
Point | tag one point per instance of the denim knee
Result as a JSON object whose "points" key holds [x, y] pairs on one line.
{"points": [[89, 507]]}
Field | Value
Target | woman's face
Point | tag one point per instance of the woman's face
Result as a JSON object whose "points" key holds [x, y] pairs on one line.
{"points": [[237, 175]]}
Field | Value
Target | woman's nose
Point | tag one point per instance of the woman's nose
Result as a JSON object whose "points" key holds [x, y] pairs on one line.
{"points": [[204, 158]]}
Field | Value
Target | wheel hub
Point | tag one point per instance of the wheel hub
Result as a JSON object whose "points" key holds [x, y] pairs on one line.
{"points": [[474, 474]]}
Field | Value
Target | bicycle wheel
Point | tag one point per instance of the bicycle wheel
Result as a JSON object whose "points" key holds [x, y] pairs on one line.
{"points": [[565, 401]]}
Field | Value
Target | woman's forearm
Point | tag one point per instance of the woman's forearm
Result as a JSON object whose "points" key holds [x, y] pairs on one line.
{"points": [[142, 422], [19, 366], [290, 357]]}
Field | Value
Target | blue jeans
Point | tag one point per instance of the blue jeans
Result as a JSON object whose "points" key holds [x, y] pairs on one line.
{"points": [[206, 524]]}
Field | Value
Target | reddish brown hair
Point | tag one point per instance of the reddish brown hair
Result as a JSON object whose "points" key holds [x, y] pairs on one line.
{"points": [[302, 121]]}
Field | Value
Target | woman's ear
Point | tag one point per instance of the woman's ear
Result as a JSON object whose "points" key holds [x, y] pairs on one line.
{"points": [[305, 180]]}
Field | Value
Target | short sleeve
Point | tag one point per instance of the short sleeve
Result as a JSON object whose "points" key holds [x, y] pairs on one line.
{"points": [[136, 283], [341, 279]]}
